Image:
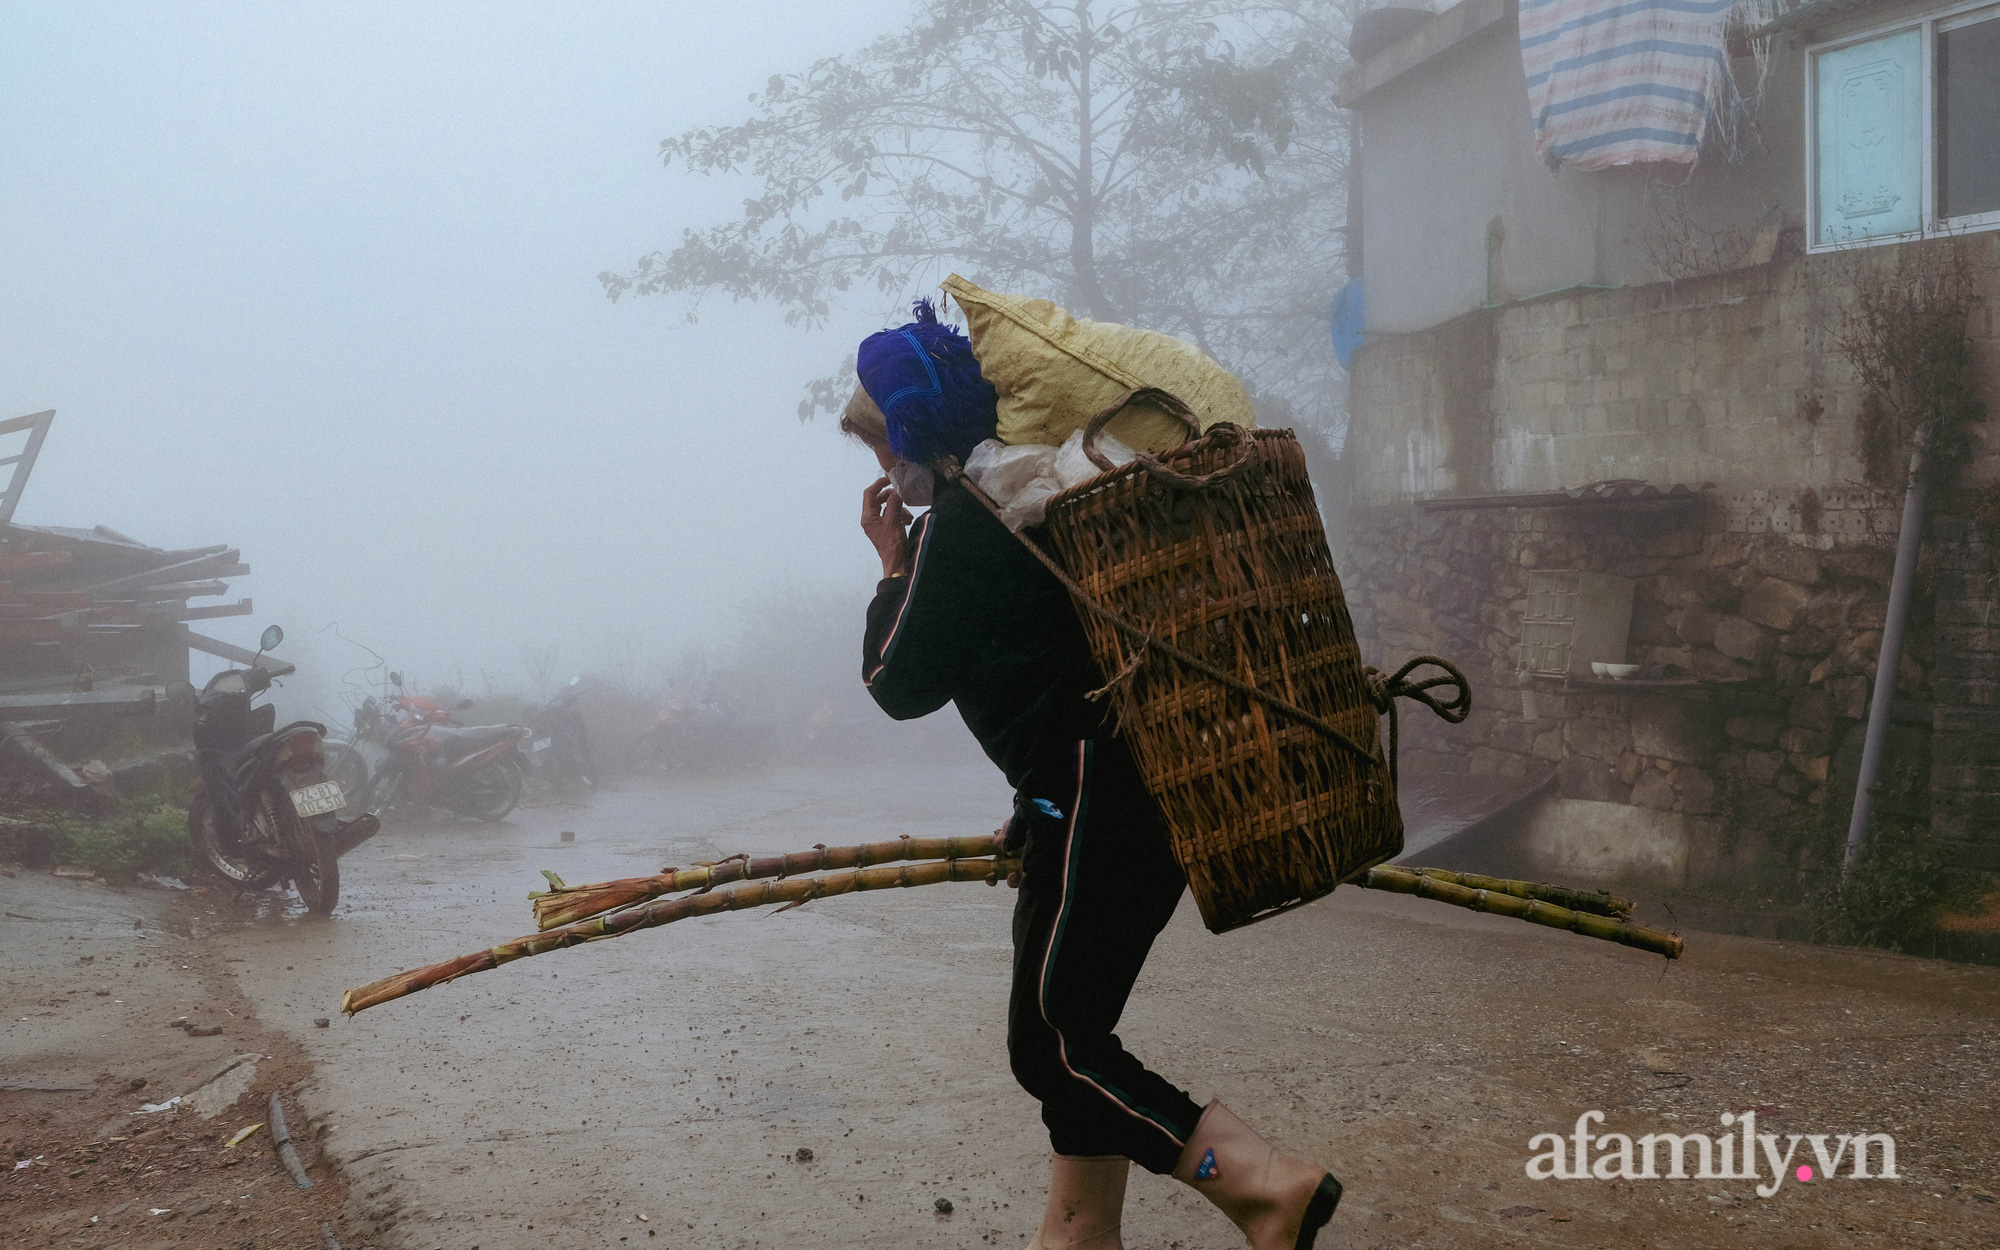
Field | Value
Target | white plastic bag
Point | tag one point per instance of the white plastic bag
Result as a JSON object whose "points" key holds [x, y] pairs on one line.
{"points": [[1003, 471], [1031, 505], [1022, 478], [1072, 466]]}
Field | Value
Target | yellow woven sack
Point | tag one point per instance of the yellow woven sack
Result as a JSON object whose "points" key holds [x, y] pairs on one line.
{"points": [[1055, 372]]}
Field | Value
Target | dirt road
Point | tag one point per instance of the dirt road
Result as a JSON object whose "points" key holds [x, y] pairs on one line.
{"points": [[93, 981], [823, 1077]]}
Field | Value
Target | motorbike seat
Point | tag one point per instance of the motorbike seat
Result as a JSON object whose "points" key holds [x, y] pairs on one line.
{"points": [[473, 738], [242, 757]]}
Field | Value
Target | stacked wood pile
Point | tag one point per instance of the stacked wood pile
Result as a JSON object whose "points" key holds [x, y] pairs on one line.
{"points": [[94, 624], [78, 606]]}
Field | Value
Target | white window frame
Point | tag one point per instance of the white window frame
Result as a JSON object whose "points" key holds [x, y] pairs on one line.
{"points": [[1932, 25]]}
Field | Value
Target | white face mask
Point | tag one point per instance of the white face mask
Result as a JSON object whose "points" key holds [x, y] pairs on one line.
{"points": [[913, 482]]}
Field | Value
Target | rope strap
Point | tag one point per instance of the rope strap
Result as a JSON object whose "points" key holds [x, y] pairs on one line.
{"points": [[1384, 691], [1225, 434]]}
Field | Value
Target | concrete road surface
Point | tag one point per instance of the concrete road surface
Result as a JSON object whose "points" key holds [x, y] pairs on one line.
{"points": [[824, 1076]]}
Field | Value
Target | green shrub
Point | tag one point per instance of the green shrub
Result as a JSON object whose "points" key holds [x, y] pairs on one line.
{"points": [[148, 836], [1893, 896]]}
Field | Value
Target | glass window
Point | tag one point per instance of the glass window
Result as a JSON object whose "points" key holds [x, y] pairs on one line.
{"points": [[1869, 142], [1968, 119]]}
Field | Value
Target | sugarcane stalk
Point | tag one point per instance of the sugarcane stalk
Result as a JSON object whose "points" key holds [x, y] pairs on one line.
{"points": [[1593, 915], [566, 904], [792, 891], [1505, 903], [1597, 902]]}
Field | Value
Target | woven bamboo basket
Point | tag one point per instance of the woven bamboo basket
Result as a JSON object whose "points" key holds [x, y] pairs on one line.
{"points": [[1265, 812]]}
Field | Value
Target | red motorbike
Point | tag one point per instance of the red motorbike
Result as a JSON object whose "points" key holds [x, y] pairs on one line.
{"points": [[472, 771]]}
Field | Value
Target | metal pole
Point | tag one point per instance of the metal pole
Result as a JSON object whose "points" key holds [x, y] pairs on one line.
{"points": [[1901, 582]]}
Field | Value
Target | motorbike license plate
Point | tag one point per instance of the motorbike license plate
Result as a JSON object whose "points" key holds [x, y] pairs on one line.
{"points": [[542, 744], [318, 800]]}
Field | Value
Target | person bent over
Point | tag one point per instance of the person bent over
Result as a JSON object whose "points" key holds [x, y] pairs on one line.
{"points": [[964, 615]]}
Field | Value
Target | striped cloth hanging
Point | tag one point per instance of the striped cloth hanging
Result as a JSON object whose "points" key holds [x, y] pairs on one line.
{"points": [[1616, 82]]}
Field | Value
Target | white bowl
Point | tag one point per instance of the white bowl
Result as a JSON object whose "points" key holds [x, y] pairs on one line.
{"points": [[1616, 672]]}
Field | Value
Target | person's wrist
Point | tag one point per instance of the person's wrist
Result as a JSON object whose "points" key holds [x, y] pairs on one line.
{"points": [[895, 557]]}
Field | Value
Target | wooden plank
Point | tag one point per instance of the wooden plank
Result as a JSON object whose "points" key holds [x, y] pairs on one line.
{"points": [[40, 629], [33, 561], [183, 613], [235, 654], [39, 683], [52, 601], [112, 612], [139, 700], [208, 575], [200, 566], [21, 738], [178, 557], [37, 426], [183, 590]]}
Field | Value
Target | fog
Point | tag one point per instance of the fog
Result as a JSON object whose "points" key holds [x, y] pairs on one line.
{"points": [[324, 284], [321, 282]]}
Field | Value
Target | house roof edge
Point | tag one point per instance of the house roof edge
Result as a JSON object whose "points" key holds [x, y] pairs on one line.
{"points": [[1441, 34]]}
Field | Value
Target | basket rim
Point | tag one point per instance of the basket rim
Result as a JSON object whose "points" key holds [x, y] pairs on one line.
{"points": [[1112, 477]]}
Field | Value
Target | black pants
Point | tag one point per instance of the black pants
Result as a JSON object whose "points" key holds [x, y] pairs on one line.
{"points": [[1098, 884]]}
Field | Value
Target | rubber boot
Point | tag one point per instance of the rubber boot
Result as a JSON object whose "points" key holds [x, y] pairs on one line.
{"points": [[1086, 1203], [1279, 1201]]}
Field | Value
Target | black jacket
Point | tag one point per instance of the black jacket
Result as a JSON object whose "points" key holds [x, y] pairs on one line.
{"points": [[978, 622]]}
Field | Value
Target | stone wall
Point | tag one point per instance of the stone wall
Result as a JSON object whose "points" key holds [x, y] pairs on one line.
{"points": [[1730, 380], [1770, 588]]}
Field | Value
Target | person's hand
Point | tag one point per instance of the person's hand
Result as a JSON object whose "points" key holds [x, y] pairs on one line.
{"points": [[884, 519]]}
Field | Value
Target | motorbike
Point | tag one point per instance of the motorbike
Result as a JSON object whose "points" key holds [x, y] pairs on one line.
{"points": [[263, 809], [472, 771], [559, 750], [352, 760]]}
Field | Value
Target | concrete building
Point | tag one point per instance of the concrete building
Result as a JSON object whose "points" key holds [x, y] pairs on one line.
{"points": [[1625, 404], [1458, 213]]}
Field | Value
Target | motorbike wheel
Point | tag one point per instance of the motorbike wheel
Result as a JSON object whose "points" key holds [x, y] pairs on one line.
{"points": [[491, 792], [220, 856], [346, 765], [384, 791], [316, 870]]}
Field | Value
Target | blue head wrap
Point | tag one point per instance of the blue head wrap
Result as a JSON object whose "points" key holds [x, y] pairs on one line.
{"points": [[925, 379]]}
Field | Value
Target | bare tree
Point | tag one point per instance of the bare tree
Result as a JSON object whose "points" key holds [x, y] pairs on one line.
{"points": [[1169, 163]]}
